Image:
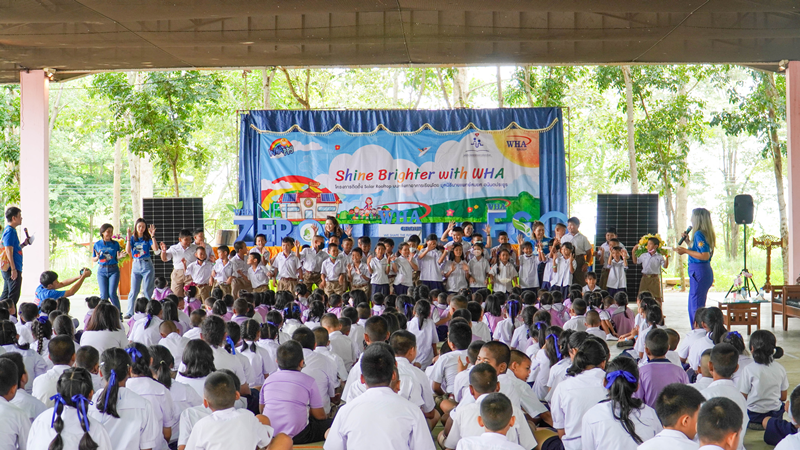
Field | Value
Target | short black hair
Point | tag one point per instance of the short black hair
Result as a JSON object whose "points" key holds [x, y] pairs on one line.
{"points": [[12, 212], [378, 364], [305, 337], [16, 359], [87, 357], [475, 309], [321, 336], [289, 355], [219, 390], [61, 349], [402, 342], [377, 328], [462, 313], [496, 411], [460, 335], [9, 376], [213, 330], [657, 341], [718, 418], [794, 400], [579, 306], [499, 351], [677, 400], [725, 359], [483, 378]]}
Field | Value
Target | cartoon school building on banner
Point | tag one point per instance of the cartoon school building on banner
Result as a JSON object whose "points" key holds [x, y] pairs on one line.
{"points": [[309, 204]]}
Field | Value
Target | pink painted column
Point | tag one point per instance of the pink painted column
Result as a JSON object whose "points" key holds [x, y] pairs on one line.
{"points": [[34, 161]]}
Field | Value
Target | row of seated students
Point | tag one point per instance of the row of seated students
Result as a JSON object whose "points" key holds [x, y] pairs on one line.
{"points": [[301, 370]]}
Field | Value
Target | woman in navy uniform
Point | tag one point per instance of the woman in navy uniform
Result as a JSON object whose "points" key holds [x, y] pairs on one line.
{"points": [[701, 249]]}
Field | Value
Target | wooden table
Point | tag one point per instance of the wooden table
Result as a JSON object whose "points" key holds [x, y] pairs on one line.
{"points": [[741, 312]]}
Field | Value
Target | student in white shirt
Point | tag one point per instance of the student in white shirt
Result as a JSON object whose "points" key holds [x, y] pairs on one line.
{"points": [[582, 389], [430, 271], [215, 334], [35, 365], [623, 422], [497, 419], [503, 273], [379, 418], [323, 342], [261, 362], [618, 265], [578, 320], [423, 327], [15, 423], [478, 268], [445, 368], [764, 383], [181, 255], [340, 344], [141, 382], [286, 266], [404, 265], [379, 267], [677, 408], [404, 345], [170, 339], [333, 272], [228, 427], [256, 273], [104, 330], [592, 323], [317, 366], [62, 354], [146, 330], [200, 273], [29, 404], [722, 365], [67, 424], [183, 396], [222, 272], [719, 424], [776, 431], [528, 265]]}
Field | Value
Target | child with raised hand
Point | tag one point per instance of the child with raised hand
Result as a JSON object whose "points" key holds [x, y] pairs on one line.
{"points": [[228, 427], [618, 265], [764, 383], [658, 372], [719, 424], [455, 269], [652, 262], [68, 426], [405, 266], [722, 365], [16, 422], [677, 408], [503, 273], [624, 422], [528, 266]]}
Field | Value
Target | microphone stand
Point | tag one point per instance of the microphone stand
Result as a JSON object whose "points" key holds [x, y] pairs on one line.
{"points": [[745, 274]]}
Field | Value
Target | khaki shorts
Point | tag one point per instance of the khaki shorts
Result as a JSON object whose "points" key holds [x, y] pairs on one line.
{"points": [[333, 287], [203, 292], [226, 289], [287, 284], [310, 279], [178, 280], [652, 283]]}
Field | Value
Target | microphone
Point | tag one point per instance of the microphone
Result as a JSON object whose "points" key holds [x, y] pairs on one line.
{"points": [[683, 238]]}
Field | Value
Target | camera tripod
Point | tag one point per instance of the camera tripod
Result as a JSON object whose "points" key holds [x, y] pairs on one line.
{"points": [[745, 274]]}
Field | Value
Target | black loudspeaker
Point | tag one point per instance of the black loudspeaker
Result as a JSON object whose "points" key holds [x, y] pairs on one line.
{"points": [[743, 209]]}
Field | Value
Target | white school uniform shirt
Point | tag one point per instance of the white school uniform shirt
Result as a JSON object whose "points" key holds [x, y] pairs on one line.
{"points": [[257, 277], [224, 360], [702, 382], [25, 332], [249, 373], [790, 442], [729, 390], [29, 404], [458, 279], [581, 243], [527, 398], [616, 275], [465, 425], [763, 386], [14, 427], [288, 328], [44, 386], [189, 419], [378, 266], [332, 269], [136, 427], [429, 269], [445, 369], [571, 399], [255, 363], [175, 343], [359, 277], [426, 338], [558, 373], [341, 371], [192, 334], [421, 380], [238, 265], [288, 266], [229, 429], [409, 388], [502, 274], [596, 331], [42, 433], [195, 383], [405, 273], [160, 398], [478, 269], [481, 329], [520, 339], [562, 275], [528, 271], [540, 372], [394, 424], [461, 384], [577, 323], [342, 346], [325, 374], [176, 253], [102, 340], [687, 342], [311, 260], [600, 430], [146, 336], [696, 350], [223, 271], [651, 264], [488, 441], [639, 346], [35, 365], [669, 439], [200, 272], [744, 361]]}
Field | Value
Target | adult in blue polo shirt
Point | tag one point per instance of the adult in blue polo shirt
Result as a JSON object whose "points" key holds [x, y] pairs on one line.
{"points": [[50, 287], [140, 242], [12, 264], [701, 249], [106, 253]]}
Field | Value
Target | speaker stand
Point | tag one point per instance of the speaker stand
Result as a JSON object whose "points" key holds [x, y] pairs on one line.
{"points": [[747, 277]]}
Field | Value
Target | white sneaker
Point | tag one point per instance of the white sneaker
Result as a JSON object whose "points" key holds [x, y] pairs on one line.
{"points": [[611, 337]]}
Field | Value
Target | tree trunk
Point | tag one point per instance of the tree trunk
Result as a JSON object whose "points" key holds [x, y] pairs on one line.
{"points": [[777, 159], [267, 76], [681, 213], [145, 178], [174, 166], [117, 200], [424, 82], [396, 86], [444, 89], [626, 73], [526, 85], [460, 87], [56, 109], [135, 174], [499, 89]]}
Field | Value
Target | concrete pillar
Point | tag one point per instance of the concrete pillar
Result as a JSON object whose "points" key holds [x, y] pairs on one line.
{"points": [[34, 161]]}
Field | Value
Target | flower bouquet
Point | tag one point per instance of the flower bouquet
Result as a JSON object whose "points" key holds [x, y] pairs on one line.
{"points": [[642, 245], [121, 240]]}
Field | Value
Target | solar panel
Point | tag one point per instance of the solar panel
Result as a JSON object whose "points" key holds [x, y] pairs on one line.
{"points": [[170, 215], [328, 198]]}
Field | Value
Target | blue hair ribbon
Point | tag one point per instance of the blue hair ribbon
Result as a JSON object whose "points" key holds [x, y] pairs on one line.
{"points": [[58, 398], [612, 376], [271, 323], [540, 325], [735, 333], [112, 380], [233, 346], [513, 304], [81, 402], [42, 320], [555, 344], [133, 353]]}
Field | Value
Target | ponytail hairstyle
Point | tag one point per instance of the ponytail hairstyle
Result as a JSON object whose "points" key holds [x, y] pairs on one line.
{"points": [[161, 364], [538, 328], [573, 341], [153, 310], [74, 388], [405, 306], [714, 323], [654, 316], [622, 381], [494, 305], [422, 311], [276, 318], [528, 312], [250, 331], [736, 340], [621, 299], [114, 365], [591, 354], [315, 311], [62, 304], [512, 309], [551, 347], [198, 359], [140, 306], [63, 326], [219, 308], [8, 335], [42, 329], [191, 292], [292, 311], [140, 357], [763, 348], [171, 311]]}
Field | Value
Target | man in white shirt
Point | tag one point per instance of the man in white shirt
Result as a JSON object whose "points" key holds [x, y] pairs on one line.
{"points": [[15, 424], [719, 424], [62, 353], [318, 366], [181, 255], [379, 418], [173, 341], [583, 249]]}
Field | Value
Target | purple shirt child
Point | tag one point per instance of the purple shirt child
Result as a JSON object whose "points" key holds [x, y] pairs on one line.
{"points": [[161, 294], [191, 304], [286, 396], [654, 376]]}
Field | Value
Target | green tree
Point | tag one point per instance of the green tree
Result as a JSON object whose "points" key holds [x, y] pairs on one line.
{"points": [[9, 144]]}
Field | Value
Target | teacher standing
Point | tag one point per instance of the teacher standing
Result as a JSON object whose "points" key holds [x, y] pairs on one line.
{"points": [[700, 251], [106, 252], [140, 242]]}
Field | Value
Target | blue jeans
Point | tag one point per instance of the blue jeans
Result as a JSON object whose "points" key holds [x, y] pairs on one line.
{"points": [[701, 277], [142, 271], [108, 279]]}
